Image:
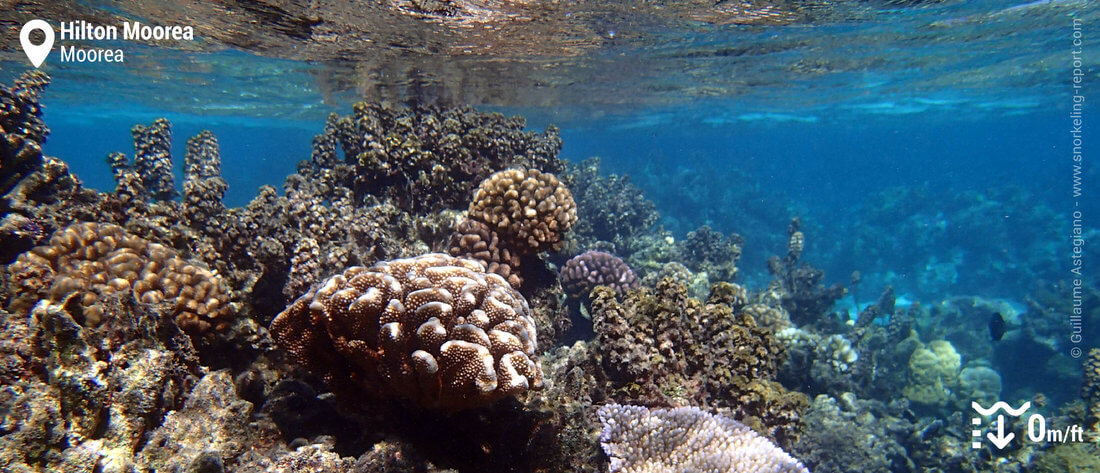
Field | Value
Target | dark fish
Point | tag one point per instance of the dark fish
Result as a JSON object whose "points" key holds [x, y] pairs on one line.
{"points": [[996, 326]]}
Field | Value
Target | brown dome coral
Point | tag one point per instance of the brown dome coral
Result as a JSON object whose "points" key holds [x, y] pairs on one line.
{"points": [[90, 260], [531, 208], [435, 330], [596, 268]]}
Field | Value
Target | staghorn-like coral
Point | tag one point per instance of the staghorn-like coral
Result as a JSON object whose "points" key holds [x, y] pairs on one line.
{"points": [[531, 209], [686, 439], [587, 270], [87, 261], [434, 330], [663, 348]]}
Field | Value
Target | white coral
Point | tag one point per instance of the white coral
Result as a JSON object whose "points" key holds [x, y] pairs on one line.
{"points": [[686, 439]]}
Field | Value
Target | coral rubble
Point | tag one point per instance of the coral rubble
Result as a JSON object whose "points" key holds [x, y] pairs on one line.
{"points": [[434, 330]]}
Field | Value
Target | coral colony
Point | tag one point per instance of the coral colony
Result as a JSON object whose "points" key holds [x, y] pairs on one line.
{"points": [[401, 304]]}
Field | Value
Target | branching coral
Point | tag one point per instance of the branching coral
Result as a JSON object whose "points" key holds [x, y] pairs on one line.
{"points": [[149, 177], [428, 158], [22, 129], [800, 286], [434, 330], [683, 439], [609, 209], [664, 348], [85, 262]]}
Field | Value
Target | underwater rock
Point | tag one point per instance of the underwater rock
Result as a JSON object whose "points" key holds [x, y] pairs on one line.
{"points": [[434, 330], [587, 270], [640, 440], [85, 397]]}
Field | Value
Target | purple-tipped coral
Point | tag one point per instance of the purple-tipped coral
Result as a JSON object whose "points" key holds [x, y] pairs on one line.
{"points": [[596, 268], [640, 440]]}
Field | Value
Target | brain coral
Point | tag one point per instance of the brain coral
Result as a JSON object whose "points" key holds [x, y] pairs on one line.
{"points": [[596, 268], [531, 208], [686, 439], [89, 260], [434, 330]]}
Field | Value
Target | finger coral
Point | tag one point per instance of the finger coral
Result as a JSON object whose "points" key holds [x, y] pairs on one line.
{"points": [[683, 439], [433, 330], [531, 208], [87, 261], [587, 270]]}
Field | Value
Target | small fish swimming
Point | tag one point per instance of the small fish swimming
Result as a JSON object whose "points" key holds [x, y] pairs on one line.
{"points": [[997, 326]]}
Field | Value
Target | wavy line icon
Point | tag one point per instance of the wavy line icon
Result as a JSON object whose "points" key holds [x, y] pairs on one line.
{"points": [[1000, 405]]}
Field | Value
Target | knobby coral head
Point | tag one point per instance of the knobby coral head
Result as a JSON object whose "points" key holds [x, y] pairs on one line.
{"points": [[434, 330]]}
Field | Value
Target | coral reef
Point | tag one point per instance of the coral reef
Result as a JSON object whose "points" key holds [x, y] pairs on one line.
{"points": [[203, 186], [531, 209], [933, 373], [86, 262], [800, 287], [83, 398], [426, 159], [662, 348], [609, 209], [514, 215], [149, 176], [585, 271], [433, 330], [476, 240], [1090, 391], [22, 127], [640, 440], [842, 435]]}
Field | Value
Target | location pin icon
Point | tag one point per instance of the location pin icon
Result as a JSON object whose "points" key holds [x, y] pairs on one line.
{"points": [[36, 52]]}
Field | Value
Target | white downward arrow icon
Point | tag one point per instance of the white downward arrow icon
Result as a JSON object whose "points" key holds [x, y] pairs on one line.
{"points": [[1000, 440]]}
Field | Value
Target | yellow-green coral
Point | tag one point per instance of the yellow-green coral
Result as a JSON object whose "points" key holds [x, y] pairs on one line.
{"points": [[933, 373]]}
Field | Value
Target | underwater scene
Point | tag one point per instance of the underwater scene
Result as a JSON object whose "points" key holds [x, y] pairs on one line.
{"points": [[684, 236]]}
